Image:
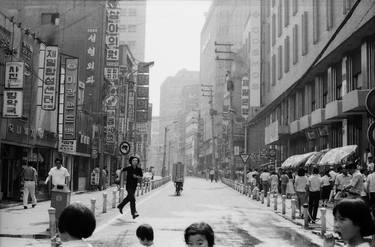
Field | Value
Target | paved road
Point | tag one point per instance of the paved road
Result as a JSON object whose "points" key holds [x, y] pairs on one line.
{"points": [[236, 220]]}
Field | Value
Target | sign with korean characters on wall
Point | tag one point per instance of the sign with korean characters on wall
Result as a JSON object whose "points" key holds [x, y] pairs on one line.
{"points": [[50, 78], [70, 99], [13, 102], [14, 75], [111, 126], [91, 55]]}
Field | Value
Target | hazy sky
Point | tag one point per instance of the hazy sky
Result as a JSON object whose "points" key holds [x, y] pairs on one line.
{"points": [[172, 40]]}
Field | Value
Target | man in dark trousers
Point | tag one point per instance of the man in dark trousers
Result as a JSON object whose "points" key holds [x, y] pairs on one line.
{"points": [[133, 174]]}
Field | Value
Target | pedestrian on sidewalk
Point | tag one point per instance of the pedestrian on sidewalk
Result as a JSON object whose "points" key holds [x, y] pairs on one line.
{"points": [[355, 186], [290, 187], [265, 181], [133, 175], [371, 190], [314, 184], [353, 222], [29, 176], [300, 186], [76, 223], [58, 174], [284, 179], [212, 173], [274, 182], [199, 234], [145, 235], [326, 188]]}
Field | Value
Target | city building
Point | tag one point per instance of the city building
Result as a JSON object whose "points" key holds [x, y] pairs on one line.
{"points": [[221, 38], [317, 70], [133, 26]]}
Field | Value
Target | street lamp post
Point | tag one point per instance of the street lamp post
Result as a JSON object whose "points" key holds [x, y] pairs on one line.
{"points": [[163, 171]]}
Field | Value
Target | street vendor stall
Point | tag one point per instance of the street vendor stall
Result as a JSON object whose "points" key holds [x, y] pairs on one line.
{"points": [[295, 161], [338, 156]]}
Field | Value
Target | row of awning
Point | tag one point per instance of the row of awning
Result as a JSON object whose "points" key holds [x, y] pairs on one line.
{"points": [[327, 157]]}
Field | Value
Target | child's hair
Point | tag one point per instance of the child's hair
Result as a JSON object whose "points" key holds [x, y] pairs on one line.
{"points": [[358, 212], [145, 232], [201, 228], [77, 220]]}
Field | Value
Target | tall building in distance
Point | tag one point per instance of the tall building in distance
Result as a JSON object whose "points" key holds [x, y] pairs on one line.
{"points": [[133, 26], [173, 107]]}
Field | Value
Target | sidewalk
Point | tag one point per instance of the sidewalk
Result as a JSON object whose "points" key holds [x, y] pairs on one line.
{"points": [[31, 224]]}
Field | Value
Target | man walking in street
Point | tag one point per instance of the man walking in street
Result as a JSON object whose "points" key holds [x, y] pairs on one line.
{"points": [[265, 177], [59, 174], [30, 180], [133, 174]]}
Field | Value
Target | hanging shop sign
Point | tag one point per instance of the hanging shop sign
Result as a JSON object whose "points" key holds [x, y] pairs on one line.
{"points": [[255, 54], [14, 75], [68, 146], [91, 55], [70, 99], [50, 78], [13, 104], [111, 126]]}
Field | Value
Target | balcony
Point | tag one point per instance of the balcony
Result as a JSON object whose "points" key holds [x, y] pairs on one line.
{"points": [[318, 116], [333, 109], [354, 101], [274, 131], [305, 122], [294, 126]]}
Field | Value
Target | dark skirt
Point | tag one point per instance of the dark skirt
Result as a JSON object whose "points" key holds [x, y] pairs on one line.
{"points": [[326, 190]]}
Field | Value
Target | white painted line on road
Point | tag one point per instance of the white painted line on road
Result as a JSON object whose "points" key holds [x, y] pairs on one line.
{"points": [[100, 228]]}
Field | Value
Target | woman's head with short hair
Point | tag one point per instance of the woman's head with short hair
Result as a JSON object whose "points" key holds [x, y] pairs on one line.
{"points": [[77, 220], [201, 232], [356, 211], [315, 170], [301, 172]]}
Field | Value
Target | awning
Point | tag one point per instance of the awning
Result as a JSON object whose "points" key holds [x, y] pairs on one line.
{"points": [[296, 160], [315, 158], [337, 155]]}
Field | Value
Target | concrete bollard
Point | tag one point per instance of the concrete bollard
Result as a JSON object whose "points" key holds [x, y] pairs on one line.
{"points": [[114, 192], [137, 190], [141, 188], [93, 201], [283, 204], [323, 212], [104, 202], [293, 205], [121, 196], [262, 196], [52, 222], [306, 215], [275, 202], [268, 199]]}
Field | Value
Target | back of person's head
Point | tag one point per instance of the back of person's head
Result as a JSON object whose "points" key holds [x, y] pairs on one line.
{"points": [[301, 172], [145, 232], [358, 212], [77, 220], [339, 169], [200, 228], [327, 173], [315, 170]]}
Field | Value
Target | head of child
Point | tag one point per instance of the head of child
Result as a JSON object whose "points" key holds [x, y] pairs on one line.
{"points": [[199, 234], [353, 220], [145, 235], [76, 222]]}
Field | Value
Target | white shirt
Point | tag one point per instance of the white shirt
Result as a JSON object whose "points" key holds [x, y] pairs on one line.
{"points": [[265, 176], [314, 183], [325, 180], [58, 175], [371, 182]]}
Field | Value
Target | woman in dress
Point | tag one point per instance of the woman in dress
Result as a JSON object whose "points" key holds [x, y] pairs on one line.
{"points": [[290, 187], [326, 188]]}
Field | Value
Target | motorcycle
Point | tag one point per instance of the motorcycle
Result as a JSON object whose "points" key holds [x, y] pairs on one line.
{"points": [[179, 188]]}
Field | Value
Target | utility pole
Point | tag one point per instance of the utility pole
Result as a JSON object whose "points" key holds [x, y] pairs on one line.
{"points": [[209, 89], [163, 171]]}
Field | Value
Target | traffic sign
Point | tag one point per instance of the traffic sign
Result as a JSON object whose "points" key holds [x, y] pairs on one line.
{"points": [[244, 157], [370, 102], [124, 148], [371, 134]]}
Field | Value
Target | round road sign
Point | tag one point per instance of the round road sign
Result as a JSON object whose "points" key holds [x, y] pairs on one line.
{"points": [[371, 134], [124, 148]]}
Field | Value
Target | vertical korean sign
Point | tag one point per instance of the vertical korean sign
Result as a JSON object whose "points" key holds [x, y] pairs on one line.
{"points": [[70, 99], [50, 78], [13, 94], [111, 68], [255, 53], [91, 56]]}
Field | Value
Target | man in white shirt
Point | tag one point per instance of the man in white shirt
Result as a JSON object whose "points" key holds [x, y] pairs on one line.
{"points": [[59, 174], [370, 164], [265, 178]]}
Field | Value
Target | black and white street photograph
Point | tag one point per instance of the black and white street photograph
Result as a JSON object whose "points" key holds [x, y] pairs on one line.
{"points": [[186, 123]]}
